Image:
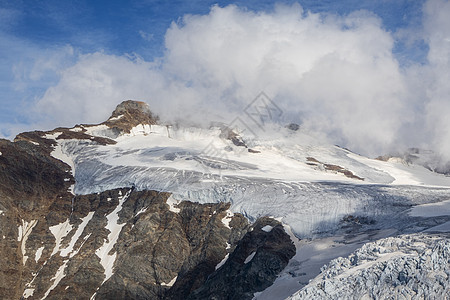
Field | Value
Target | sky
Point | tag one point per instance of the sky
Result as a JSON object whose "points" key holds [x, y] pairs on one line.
{"points": [[368, 75]]}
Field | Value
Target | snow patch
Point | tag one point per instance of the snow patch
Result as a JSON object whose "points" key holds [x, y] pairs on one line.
{"points": [[115, 118], [267, 228], [227, 219], [171, 283], [28, 293], [98, 130], [24, 231], [143, 210], [69, 249], [172, 204], [60, 231], [38, 253], [223, 261], [52, 136], [57, 278], [59, 153], [107, 260], [250, 257]]}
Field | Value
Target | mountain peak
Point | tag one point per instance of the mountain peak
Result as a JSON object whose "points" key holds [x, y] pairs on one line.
{"points": [[129, 114]]}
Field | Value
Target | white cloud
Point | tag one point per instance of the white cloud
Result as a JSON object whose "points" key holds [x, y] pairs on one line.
{"points": [[334, 74], [437, 88], [90, 90]]}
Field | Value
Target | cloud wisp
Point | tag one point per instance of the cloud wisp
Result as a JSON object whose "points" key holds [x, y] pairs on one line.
{"points": [[335, 75]]}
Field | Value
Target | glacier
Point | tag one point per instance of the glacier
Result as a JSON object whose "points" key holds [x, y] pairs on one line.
{"points": [[287, 175]]}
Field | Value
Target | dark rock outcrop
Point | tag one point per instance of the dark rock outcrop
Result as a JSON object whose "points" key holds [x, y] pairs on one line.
{"points": [[293, 126], [253, 266]]}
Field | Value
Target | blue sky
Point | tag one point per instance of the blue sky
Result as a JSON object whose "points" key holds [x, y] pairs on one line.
{"points": [[44, 43], [120, 27]]}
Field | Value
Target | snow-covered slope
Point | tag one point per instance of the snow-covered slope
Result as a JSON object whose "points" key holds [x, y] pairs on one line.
{"points": [[332, 199]]}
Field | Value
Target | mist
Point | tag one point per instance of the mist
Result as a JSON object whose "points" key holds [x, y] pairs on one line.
{"points": [[336, 76]]}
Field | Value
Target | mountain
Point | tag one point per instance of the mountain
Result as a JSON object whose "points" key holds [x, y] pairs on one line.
{"points": [[133, 208]]}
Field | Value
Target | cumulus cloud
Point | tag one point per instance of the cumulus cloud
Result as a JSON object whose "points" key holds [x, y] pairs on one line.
{"points": [[336, 75], [437, 88]]}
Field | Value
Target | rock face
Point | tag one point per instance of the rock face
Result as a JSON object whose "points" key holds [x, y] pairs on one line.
{"points": [[31, 184], [413, 266], [121, 243], [259, 257]]}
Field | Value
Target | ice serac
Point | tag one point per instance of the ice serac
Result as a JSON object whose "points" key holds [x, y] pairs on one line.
{"points": [[415, 266]]}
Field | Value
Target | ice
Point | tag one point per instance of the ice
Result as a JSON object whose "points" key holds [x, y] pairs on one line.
{"points": [[311, 255], [107, 260], [431, 209], [140, 130], [403, 267], [250, 257], [445, 227]]}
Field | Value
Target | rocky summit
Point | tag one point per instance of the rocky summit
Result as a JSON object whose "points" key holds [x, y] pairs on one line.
{"points": [[134, 209]]}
